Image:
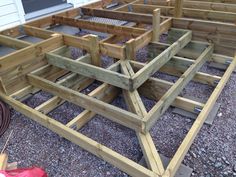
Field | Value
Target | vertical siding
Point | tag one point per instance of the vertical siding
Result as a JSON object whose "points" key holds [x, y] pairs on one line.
{"points": [[10, 13]]}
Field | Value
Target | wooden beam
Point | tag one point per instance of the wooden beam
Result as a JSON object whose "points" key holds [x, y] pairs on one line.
{"points": [[13, 42], [178, 12], [29, 53], [131, 17], [38, 32], [94, 50], [101, 27], [106, 93], [143, 74], [98, 73], [136, 105], [223, 35], [187, 12], [123, 163], [114, 113], [174, 91], [188, 140], [3, 161], [156, 20], [72, 81], [150, 87], [195, 4], [78, 83]]}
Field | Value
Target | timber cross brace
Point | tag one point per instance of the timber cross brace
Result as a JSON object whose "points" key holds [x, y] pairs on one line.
{"points": [[65, 65]]}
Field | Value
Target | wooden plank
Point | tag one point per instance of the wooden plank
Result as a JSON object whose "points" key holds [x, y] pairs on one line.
{"points": [[143, 74], [188, 140], [131, 17], [35, 51], [149, 90], [73, 81], [187, 12], [223, 35], [113, 113], [13, 43], [174, 91], [37, 32], [194, 4], [123, 163], [178, 11], [112, 50], [101, 74], [3, 161], [136, 105], [156, 20], [101, 27], [94, 50], [106, 93]]}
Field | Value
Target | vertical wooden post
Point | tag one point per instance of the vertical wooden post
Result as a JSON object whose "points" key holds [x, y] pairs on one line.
{"points": [[130, 50], [178, 8], [95, 50], [156, 19], [3, 161]]}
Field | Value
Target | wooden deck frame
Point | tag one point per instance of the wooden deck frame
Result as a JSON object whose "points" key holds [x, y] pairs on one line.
{"points": [[221, 34], [168, 9], [45, 75]]}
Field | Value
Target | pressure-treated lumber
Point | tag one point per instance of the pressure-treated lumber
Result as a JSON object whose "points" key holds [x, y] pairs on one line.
{"points": [[13, 43], [106, 93], [143, 74], [186, 12], [134, 17], [3, 161], [98, 73], [178, 8], [136, 105], [101, 27], [173, 92], [156, 20], [33, 51], [84, 142], [114, 113], [185, 145]]}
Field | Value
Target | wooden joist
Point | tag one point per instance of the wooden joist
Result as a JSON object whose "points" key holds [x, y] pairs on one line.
{"points": [[114, 113], [98, 73], [174, 91], [3, 161], [188, 140], [84, 142], [143, 74], [101, 27]]}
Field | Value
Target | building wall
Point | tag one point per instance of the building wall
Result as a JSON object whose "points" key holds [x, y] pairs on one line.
{"points": [[12, 12]]}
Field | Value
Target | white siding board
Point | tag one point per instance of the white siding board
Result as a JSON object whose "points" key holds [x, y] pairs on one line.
{"points": [[6, 2], [9, 18], [7, 9]]}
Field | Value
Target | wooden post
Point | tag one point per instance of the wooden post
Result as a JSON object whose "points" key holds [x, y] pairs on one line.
{"points": [[3, 161], [178, 8], [95, 50], [156, 25], [130, 49]]}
